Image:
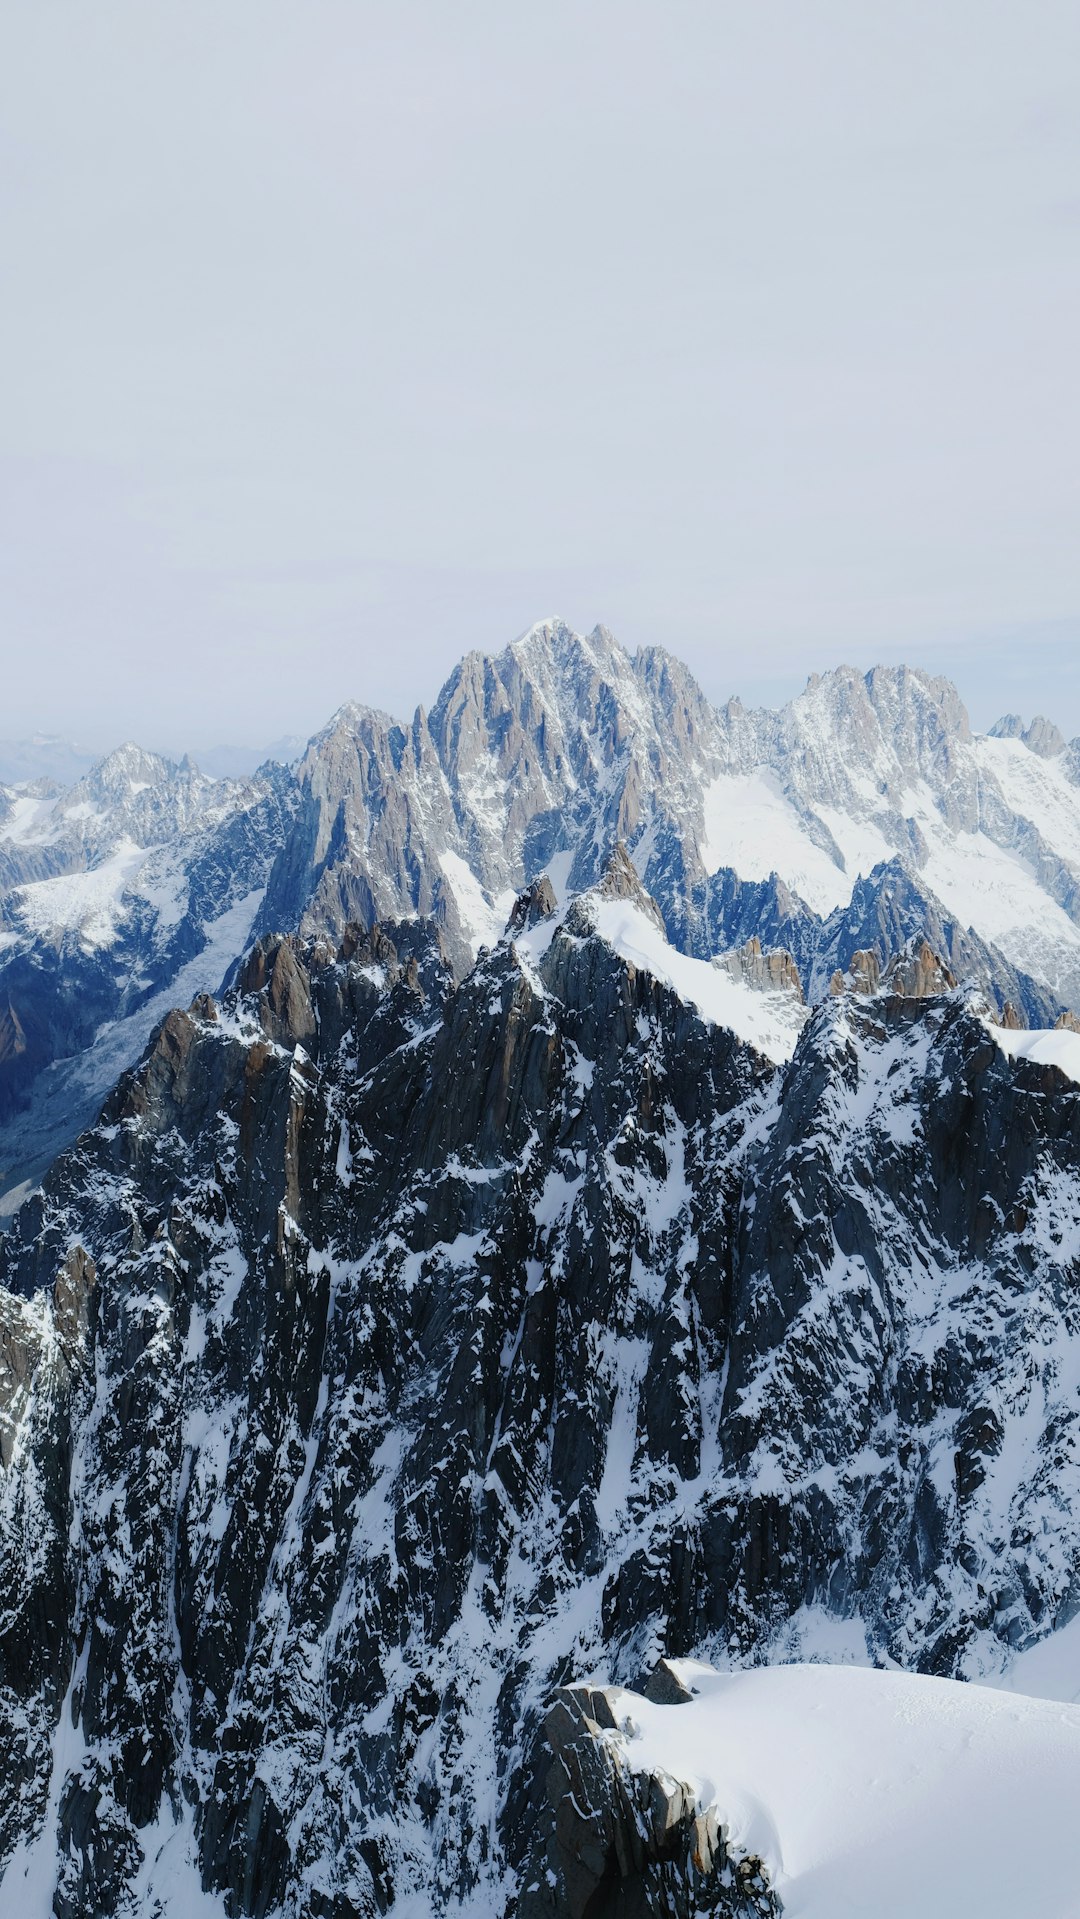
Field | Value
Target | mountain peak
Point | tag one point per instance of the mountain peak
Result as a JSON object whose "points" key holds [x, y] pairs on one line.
{"points": [[1042, 736]]}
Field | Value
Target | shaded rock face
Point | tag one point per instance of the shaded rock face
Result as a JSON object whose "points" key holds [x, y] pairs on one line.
{"points": [[395, 1352], [536, 903]]}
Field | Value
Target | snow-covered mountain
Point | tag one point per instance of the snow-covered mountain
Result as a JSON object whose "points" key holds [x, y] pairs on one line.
{"points": [[611, 1217], [119, 896], [542, 758], [860, 815], [396, 1352]]}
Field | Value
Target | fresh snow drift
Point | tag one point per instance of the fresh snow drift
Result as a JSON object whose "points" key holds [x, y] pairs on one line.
{"points": [[878, 1795]]}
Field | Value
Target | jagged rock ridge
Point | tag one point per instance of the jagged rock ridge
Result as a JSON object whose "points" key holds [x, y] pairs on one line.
{"points": [[395, 1351]]}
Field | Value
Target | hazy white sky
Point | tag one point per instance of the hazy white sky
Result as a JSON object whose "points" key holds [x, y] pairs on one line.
{"points": [[339, 338]]}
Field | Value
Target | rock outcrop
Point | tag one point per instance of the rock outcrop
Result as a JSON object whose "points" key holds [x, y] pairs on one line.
{"points": [[766, 972], [917, 973], [612, 1842]]}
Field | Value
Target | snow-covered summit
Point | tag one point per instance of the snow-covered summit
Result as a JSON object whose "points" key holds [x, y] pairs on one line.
{"points": [[619, 911]]}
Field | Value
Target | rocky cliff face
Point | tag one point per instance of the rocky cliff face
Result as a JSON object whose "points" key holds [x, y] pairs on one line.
{"points": [[612, 1842], [396, 1351]]}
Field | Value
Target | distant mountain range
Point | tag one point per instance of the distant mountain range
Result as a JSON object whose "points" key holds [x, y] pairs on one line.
{"points": [[861, 814], [47, 756]]}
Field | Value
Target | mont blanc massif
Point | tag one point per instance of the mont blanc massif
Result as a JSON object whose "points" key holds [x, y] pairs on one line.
{"points": [[540, 1312]]}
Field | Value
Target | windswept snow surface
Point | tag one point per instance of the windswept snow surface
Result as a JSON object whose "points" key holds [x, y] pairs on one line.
{"points": [[1055, 1046], [771, 1022], [880, 1795]]}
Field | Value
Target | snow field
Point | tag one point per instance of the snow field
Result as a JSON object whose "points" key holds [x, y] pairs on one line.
{"points": [[879, 1795]]}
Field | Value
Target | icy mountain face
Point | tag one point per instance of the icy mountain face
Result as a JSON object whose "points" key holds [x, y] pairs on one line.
{"points": [[739, 822], [138, 882], [394, 1352]]}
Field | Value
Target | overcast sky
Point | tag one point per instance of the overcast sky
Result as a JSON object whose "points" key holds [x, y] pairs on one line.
{"points": [[340, 338]]}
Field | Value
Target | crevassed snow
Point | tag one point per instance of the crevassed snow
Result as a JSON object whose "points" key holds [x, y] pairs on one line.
{"points": [[1047, 1047], [88, 901], [751, 825], [862, 844], [879, 1795], [996, 891], [771, 1022]]}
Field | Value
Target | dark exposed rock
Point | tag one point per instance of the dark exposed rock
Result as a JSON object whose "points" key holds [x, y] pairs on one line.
{"points": [[536, 903], [664, 1686]]}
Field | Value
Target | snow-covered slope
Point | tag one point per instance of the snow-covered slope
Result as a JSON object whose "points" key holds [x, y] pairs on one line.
{"points": [[876, 1795], [628, 921]]}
